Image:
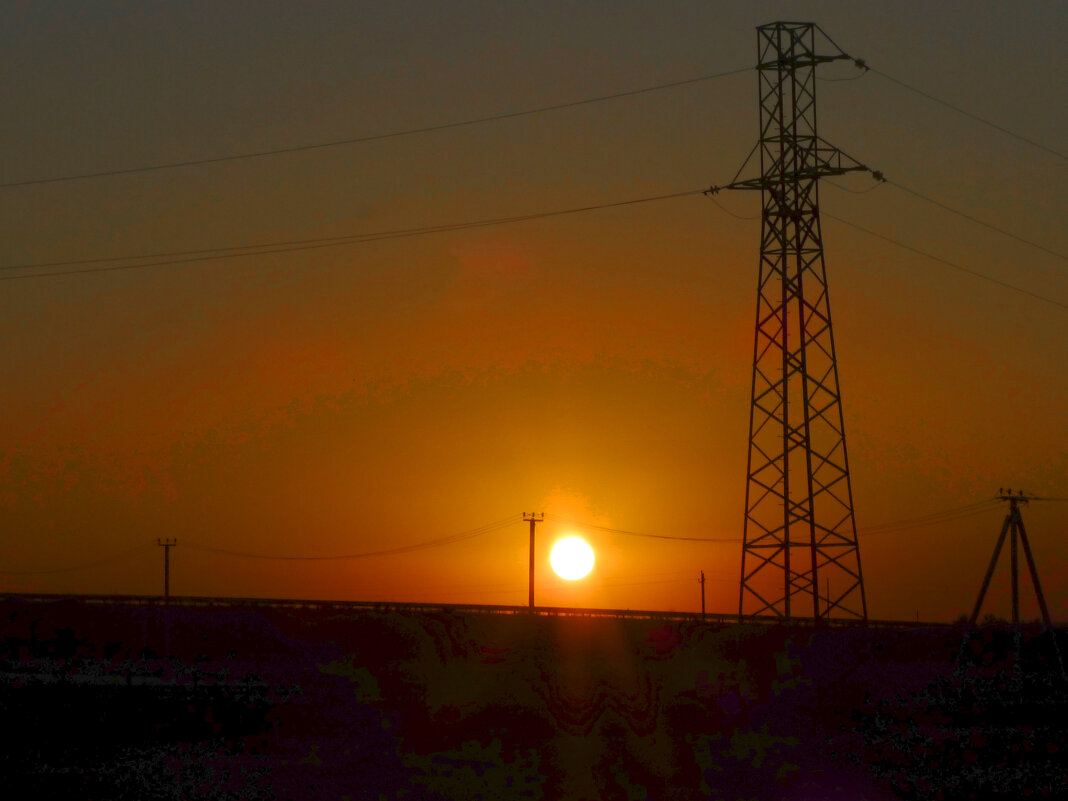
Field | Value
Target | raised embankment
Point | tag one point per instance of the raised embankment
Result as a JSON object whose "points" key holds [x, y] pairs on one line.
{"points": [[126, 701]]}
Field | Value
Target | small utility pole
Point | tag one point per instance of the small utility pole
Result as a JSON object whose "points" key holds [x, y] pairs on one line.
{"points": [[701, 581], [533, 518], [1014, 527], [166, 545]]}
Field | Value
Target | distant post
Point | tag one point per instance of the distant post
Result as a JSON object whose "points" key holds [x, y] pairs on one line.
{"points": [[702, 583], [166, 545], [533, 518]]}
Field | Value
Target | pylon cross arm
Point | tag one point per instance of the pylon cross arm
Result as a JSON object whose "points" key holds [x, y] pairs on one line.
{"points": [[795, 62], [826, 161], [806, 173]]}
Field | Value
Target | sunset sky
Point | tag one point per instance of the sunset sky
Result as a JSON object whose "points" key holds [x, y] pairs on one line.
{"points": [[594, 366]]}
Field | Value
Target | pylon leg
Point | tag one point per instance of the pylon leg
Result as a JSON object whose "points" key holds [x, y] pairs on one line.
{"points": [[1015, 574], [990, 570], [1034, 577]]}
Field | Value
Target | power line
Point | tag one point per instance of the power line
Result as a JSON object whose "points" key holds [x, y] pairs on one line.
{"points": [[821, 79], [372, 137], [946, 262], [988, 503], [611, 584], [946, 207], [312, 244], [282, 246], [944, 516], [975, 220], [926, 198], [966, 113], [418, 546], [841, 188], [278, 246], [606, 529], [85, 566], [727, 211], [931, 522], [289, 246]]}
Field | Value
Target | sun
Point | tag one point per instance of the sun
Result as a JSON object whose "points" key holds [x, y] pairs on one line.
{"points": [[571, 558]]}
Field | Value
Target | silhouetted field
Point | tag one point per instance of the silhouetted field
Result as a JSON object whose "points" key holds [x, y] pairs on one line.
{"points": [[117, 702]]}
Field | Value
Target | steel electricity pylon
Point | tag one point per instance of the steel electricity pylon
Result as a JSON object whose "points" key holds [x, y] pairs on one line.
{"points": [[799, 532]]}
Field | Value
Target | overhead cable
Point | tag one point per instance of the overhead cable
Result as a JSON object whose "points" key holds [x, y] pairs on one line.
{"points": [[842, 188], [946, 262], [727, 211], [944, 516], [417, 546], [839, 80], [372, 137], [975, 220], [607, 530], [84, 566], [959, 110], [928, 199], [188, 257]]}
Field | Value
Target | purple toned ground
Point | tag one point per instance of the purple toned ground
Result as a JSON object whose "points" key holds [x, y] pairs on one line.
{"points": [[114, 702]]}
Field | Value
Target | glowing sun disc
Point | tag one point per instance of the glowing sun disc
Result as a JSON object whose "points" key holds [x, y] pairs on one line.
{"points": [[571, 558]]}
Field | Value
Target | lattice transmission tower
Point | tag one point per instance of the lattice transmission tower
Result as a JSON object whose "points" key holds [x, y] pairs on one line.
{"points": [[800, 555]]}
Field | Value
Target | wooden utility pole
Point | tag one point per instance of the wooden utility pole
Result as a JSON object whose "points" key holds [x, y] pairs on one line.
{"points": [[1014, 527], [166, 545], [701, 581], [533, 518]]}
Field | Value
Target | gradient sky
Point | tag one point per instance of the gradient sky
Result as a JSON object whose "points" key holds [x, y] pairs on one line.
{"points": [[595, 367]]}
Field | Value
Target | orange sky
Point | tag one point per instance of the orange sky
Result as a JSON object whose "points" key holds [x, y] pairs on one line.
{"points": [[595, 367]]}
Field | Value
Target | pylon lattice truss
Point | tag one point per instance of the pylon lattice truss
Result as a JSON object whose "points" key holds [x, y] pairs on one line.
{"points": [[800, 555]]}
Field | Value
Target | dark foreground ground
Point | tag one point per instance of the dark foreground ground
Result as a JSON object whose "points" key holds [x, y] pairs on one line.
{"points": [[126, 702]]}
